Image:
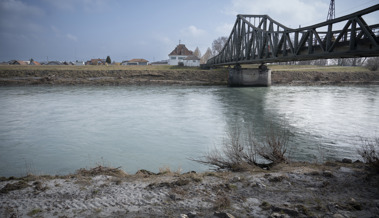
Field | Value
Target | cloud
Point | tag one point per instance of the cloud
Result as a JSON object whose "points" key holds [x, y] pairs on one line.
{"points": [[18, 18], [224, 29], [81, 5], [291, 13], [18, 8], [71, 37], [58, 33], [193, 31]]}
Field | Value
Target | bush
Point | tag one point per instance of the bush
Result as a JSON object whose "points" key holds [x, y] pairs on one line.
{"points": [[372, 63], [369, 151], [242, 150]]}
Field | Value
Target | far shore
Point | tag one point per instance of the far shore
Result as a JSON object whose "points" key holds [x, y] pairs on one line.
{"points": [[332, 189], [173, 75]]}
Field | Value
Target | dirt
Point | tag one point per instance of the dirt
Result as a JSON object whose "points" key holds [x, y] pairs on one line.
{"points": [[287, 190]]}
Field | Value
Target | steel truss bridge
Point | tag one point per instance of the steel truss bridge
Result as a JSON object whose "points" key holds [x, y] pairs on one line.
{"points": [[257, 39]]}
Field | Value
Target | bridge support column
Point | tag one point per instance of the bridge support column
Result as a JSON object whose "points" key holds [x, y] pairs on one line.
{"points": [[249, 77]]}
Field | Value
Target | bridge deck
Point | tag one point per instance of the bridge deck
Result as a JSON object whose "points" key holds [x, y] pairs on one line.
{"points": [[260, 39]]}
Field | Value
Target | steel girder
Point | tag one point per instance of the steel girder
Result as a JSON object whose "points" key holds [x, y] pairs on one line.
{"points": [[259, 39]]}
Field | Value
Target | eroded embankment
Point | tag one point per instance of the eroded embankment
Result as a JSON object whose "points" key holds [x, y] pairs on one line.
{"points": [[324, 78], [113, 77], [59, 76]]}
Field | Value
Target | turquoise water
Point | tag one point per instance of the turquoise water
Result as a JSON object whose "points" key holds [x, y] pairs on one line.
{"points": [[59, 129]]}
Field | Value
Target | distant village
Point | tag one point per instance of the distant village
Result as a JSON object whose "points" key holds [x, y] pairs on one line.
{"points": [[181, 56]]}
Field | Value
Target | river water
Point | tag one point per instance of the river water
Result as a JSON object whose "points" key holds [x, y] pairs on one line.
{"points": [[59, 129]]}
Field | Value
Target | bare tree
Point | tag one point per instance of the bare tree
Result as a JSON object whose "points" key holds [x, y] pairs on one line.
{"points": [[218, 45], [206, 56], [372, 63], [197, 52], [320, 62]]}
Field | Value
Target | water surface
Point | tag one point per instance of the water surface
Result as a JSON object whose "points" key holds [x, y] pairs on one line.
{"points": [[58, 129]]}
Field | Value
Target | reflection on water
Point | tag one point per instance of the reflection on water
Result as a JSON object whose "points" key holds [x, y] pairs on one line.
{"points": [[57, 130]]}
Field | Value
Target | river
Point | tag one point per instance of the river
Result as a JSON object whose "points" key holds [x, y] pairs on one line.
{"points": [[59, 129]]}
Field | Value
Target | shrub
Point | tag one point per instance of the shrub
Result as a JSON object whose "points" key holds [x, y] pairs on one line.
{"points": [[372, 63], [369, 151], [242, 150]]}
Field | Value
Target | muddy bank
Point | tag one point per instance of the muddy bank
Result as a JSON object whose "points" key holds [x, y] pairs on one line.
{"points": [[113, 77], [70, 76], [324, 78], [287, 190]]}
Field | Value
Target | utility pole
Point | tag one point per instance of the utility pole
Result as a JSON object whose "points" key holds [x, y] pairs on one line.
{"points": [[332, 11]]}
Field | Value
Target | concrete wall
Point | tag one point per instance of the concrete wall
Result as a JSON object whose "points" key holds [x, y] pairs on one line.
{"points": [[178, 58], [249, 77], [192, 63]]}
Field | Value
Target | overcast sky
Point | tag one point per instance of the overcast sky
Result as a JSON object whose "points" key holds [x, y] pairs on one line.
{"points": [[69, 30]]}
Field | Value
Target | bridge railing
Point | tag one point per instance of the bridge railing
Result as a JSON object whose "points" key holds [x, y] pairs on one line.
{"points": [[260, 39]]}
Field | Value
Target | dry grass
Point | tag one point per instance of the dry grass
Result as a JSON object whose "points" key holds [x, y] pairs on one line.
{"points": [[102, 170], [369, 150]]}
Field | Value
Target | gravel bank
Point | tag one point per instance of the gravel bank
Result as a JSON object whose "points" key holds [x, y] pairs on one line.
{"points": [[288, 190]]}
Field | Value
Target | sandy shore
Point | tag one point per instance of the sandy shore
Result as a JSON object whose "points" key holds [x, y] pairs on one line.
{"points": [[287, 190]]}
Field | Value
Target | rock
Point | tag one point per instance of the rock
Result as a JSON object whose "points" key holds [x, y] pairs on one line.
{"points": [[286, 211], [347, 160], [354, 204], [337, 215], [278, 215], [235, 179], [223, 215], [253, 201], [260, 185], [173, 197], [265, 205], [345, 170], [327, 173], [276, 179], [191, 215], [183, 216]]}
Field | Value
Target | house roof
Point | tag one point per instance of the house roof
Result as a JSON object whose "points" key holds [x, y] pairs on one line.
{"points": [[34, 63], [16, 62], [192, 57], [181, 50], [138, 60]]}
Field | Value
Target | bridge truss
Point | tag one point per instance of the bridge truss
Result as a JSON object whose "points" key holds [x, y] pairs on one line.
{"points": [[257, 39]]}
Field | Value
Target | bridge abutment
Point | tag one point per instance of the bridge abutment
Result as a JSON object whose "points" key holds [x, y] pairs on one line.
{"points": [[239, 77]]}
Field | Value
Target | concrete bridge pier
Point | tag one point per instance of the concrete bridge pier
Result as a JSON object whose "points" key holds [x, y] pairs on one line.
{"points": [[239, 77]]}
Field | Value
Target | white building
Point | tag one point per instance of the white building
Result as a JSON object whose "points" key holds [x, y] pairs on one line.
{"points": [[179, 54], [79, 63], [191, 61]]}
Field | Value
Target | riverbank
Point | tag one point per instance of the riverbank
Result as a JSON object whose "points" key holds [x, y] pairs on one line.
{"points": [[286, 190], [112, 75], [172, 75]]}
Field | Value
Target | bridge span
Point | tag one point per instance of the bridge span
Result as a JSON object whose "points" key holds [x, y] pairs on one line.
{"points": [[258, 39]]}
